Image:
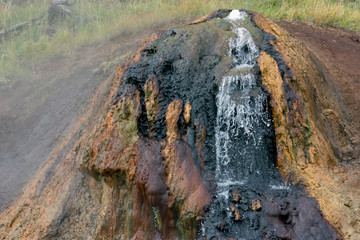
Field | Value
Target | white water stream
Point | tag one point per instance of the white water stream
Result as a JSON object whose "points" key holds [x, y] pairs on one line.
{"points": [[244, 134], [241, 112]]}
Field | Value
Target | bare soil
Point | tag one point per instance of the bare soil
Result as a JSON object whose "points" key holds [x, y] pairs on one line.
{"points": [[339, 49]]}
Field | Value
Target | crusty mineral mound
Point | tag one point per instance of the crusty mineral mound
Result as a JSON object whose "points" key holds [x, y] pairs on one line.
{"points": [[142, 163]]}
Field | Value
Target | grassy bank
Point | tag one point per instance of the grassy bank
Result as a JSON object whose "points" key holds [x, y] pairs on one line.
{"points": [[94, 21]]}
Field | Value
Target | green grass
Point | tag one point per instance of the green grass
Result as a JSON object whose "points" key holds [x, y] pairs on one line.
{"points": [[95, 21]]}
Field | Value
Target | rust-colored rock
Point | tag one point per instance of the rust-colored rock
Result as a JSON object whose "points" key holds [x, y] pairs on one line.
{"points": [[151, 91], [221, 226], [312, 135], [187, 112], [255, 205], [214, 14], [236, 195], [115, 137], [236, 212], [172, 119], [200, 140], [150, 190]]}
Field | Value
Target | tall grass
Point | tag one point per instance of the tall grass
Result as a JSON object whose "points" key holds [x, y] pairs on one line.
{"points": [[94, 21]]}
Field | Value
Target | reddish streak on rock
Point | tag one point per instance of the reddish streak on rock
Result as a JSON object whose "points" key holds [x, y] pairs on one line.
{"points": [[150, 189]]}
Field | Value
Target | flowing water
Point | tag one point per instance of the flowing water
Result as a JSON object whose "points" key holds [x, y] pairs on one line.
{"points": [[244, 131], [244, 154]]}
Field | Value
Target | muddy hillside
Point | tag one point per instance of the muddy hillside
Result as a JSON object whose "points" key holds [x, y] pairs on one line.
{"points": [[226, 128]]}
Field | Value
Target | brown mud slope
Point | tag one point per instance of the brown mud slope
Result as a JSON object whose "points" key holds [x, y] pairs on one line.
{"points": [[139, 162], [339, 50]]}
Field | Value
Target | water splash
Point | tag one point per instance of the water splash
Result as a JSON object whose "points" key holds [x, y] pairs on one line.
{"points": [[282, 186], [242, 112], [236, 15], [243, 49], [239, 128]]}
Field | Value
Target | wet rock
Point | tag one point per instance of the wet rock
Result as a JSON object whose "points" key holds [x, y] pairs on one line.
{"points": [[243, 201], [255, 222], [151, 92], [267, 235], [244, 207], [221, 226]]}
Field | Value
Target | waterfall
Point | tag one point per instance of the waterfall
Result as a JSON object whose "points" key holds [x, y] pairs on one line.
{"points": [[244, 134], [242, 115]]}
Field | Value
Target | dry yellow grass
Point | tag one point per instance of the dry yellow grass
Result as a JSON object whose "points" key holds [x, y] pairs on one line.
{"points": [[94, 21]]}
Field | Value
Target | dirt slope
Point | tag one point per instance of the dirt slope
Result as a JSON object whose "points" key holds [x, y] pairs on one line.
{"points": [[340, 50], [46, 101]]}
